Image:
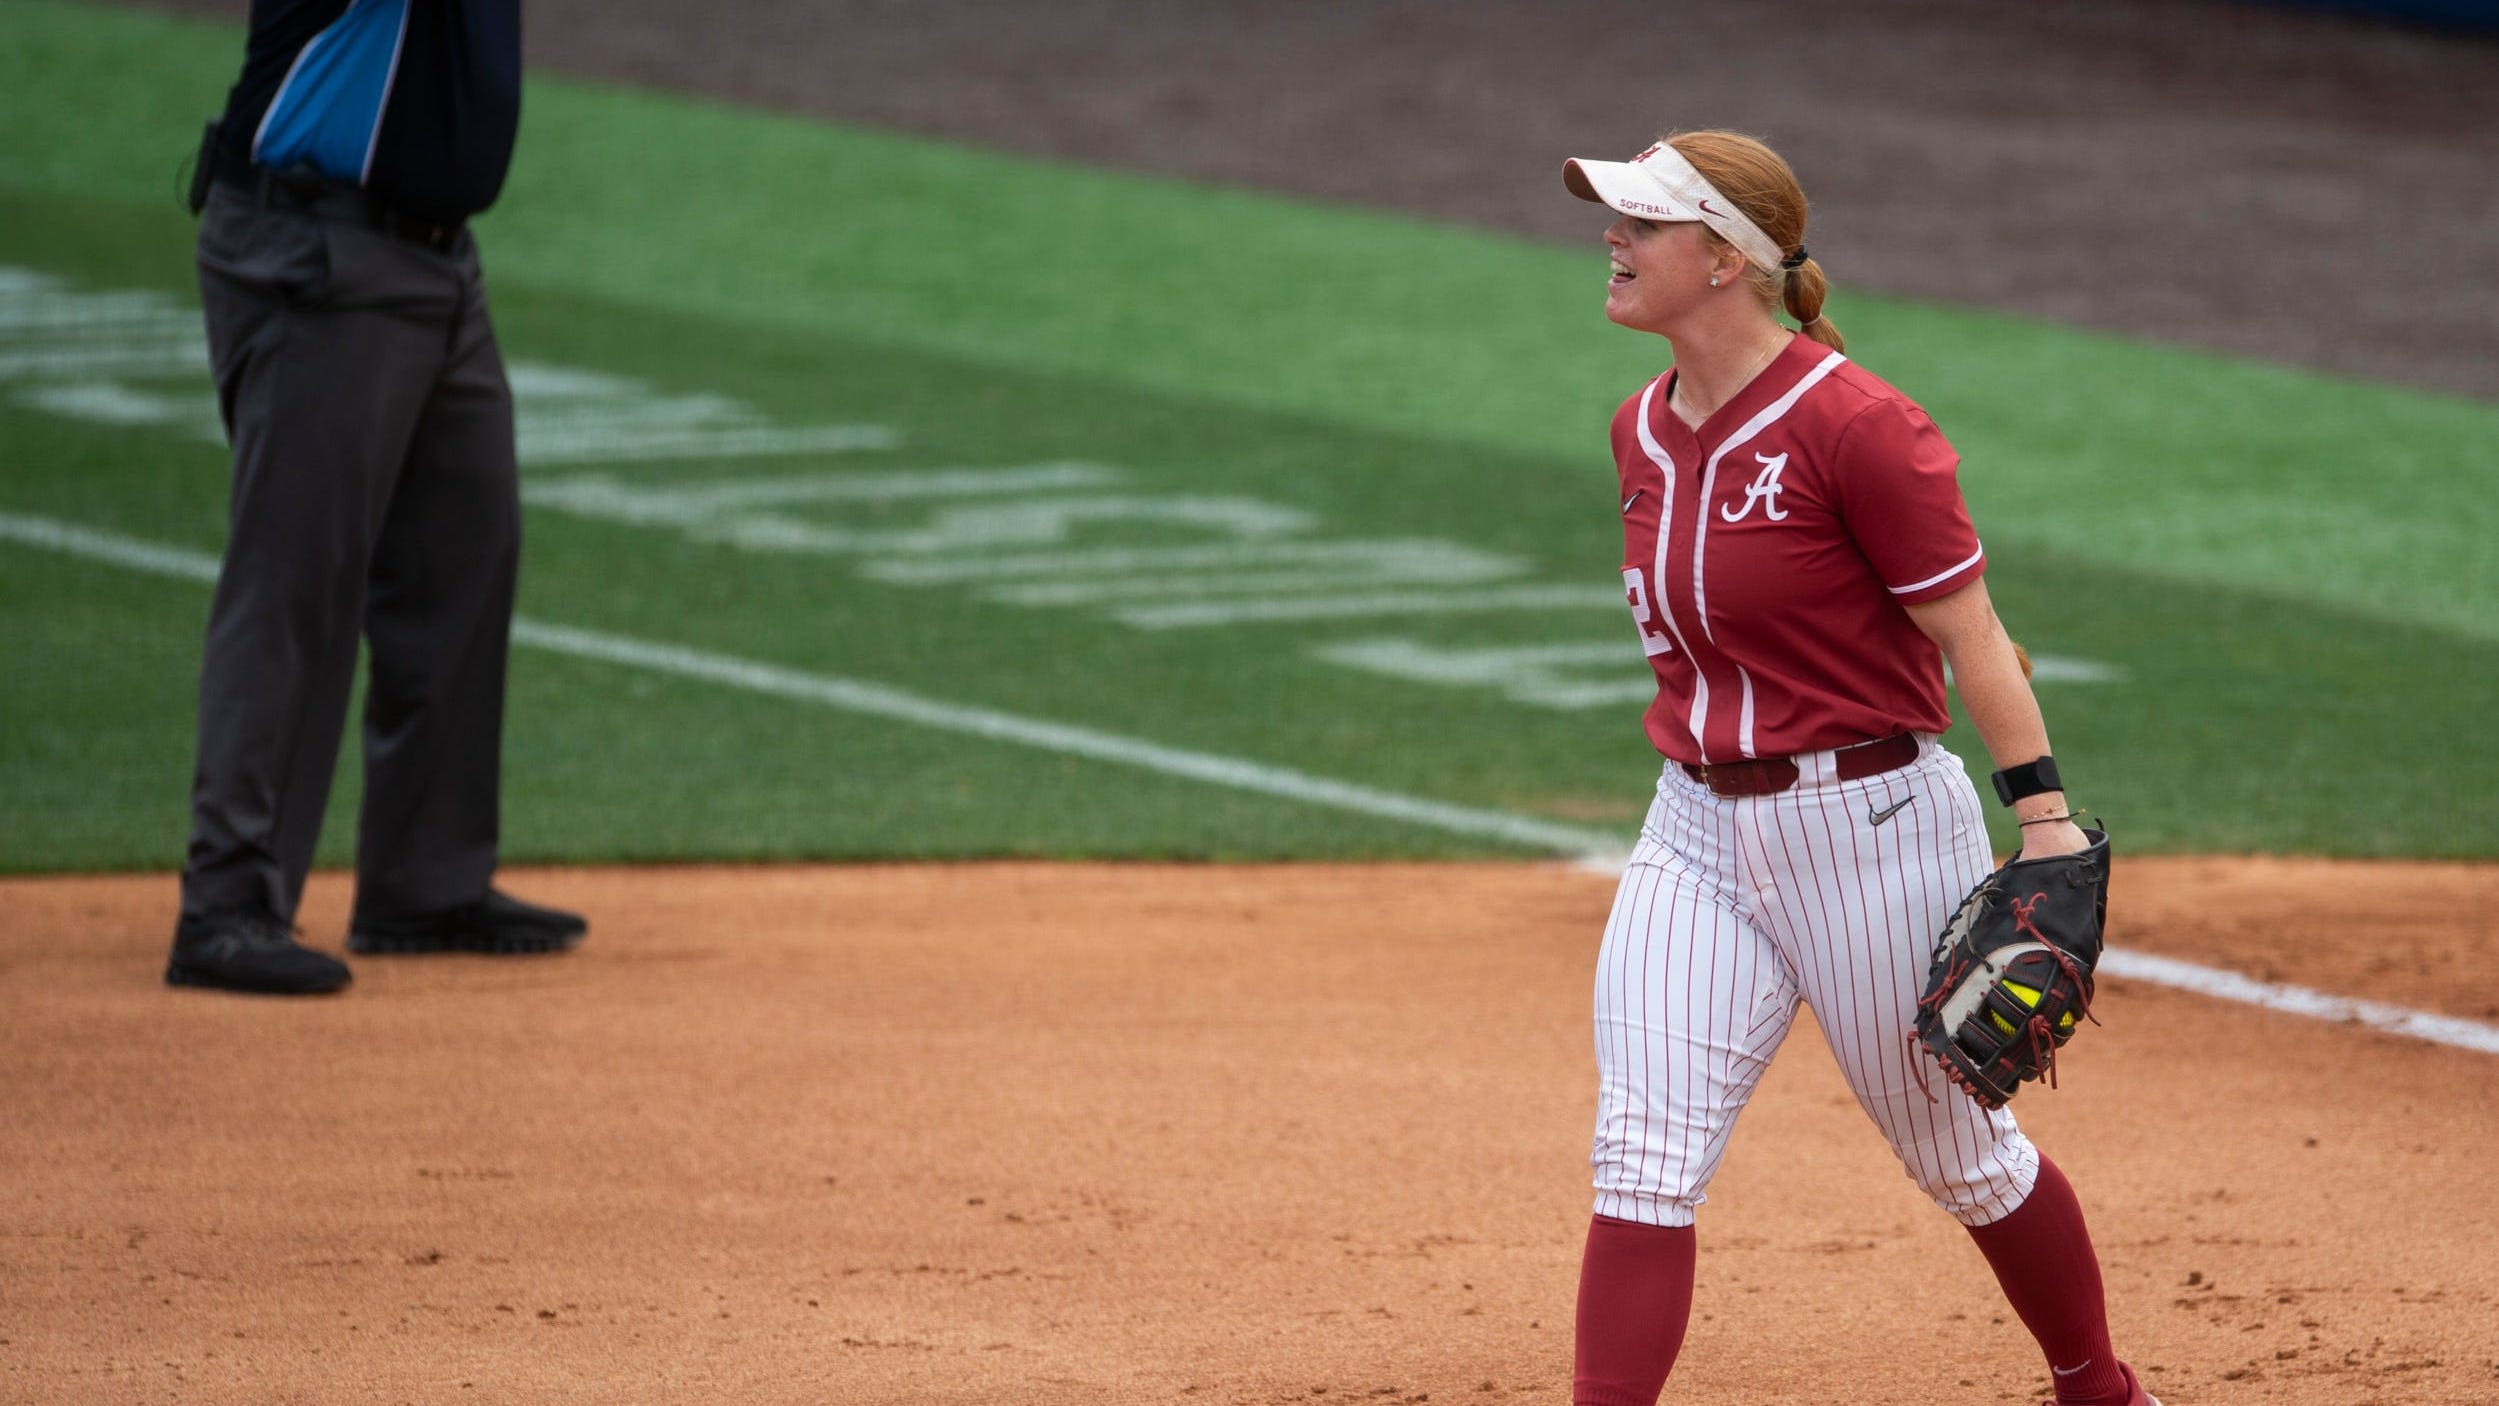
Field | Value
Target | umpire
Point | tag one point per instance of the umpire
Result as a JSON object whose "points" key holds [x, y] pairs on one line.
{"points": [[375, 488]]}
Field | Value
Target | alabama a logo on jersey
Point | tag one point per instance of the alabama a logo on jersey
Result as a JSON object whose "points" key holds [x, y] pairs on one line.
{"points": [[1764, 489]]}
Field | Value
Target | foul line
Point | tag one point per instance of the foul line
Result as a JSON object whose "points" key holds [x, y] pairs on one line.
{"points": [[2300, 1000], [879, 700], [1596, 850]]}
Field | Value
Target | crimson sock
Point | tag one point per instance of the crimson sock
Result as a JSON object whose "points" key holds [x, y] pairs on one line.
{"points": [[1635, 1296], [2042, 1256]]}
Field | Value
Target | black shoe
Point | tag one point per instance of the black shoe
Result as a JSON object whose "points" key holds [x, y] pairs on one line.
{"points": [[250, 952], [496, 923]]}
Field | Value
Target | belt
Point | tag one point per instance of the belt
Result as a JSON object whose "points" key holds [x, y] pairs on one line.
{"points": [[1767, 776], [326, 199]]}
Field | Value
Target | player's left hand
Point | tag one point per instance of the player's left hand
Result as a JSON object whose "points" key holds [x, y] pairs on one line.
{"points": [[2049, 841], [2012, 975]]}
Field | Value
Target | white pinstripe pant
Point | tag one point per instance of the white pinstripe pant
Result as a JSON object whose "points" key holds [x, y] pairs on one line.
{"points": [[1735, 909]]}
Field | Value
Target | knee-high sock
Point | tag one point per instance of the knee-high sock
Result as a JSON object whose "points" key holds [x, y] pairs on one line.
{"points": [[1635, 1297], [2042, 1256]]}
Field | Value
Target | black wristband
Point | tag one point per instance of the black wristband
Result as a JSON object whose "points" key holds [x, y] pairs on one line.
{"points": [[2029, 779]]}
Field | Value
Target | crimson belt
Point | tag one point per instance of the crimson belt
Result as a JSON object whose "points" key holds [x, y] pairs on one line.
{"points": [[1767, 776]]}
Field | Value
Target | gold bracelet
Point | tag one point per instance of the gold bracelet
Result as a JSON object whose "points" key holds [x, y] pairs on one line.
{"points": [[2048, 819]]}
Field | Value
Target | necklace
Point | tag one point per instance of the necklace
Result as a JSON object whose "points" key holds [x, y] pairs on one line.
{"points": [[1681, 401]]}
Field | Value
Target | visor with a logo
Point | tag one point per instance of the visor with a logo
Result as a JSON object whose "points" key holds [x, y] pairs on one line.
{"points": [[1659, 184]]}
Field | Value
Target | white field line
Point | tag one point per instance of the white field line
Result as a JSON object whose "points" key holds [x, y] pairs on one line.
{"points": [[603, 495], [1339, 554], [2300, 1000], [1277, 584], [878, 700], [1595, 850], [109, 547], [168, 357], [1531, 597], [628, 444]]}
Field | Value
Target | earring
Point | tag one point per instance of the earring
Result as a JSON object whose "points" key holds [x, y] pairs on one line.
{"points": [[1713, 280]]}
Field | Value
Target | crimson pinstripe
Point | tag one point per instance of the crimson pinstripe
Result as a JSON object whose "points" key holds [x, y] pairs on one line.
{"points": [[1732, 912], [1799, 564]]}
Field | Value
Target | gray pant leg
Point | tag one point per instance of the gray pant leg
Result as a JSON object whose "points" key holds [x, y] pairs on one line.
{"points": [[438, 619], [323, 358]]}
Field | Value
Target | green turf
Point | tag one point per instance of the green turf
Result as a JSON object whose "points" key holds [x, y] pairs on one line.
{"points": [[2198, 467], [2295, 572]]}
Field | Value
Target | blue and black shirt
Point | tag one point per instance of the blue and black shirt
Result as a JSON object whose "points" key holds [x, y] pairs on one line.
{"points": [[417, 101]]}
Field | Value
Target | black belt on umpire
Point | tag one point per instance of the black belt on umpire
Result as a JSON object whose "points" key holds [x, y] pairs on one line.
{"points": [[1767, 776], [327, 199]]}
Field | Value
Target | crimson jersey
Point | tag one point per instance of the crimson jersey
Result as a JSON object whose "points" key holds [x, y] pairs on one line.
{"points": [[1767, 557]]}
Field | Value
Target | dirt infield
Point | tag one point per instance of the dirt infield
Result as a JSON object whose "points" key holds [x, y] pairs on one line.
{"points": [[1142, 1134], [1032, 1133]]}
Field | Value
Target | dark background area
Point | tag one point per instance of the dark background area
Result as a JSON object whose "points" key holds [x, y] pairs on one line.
{"points": [[2276, 180]]}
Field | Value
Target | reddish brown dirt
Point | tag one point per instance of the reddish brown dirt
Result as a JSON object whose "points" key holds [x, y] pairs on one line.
{"points": [[1148, 1134], [1135, 1134]]}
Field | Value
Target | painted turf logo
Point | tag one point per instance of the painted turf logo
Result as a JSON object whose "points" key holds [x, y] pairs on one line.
{"points": [[1764, 489]]}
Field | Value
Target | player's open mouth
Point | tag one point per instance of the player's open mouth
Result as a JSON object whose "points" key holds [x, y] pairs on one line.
{"points": [[1621, 275]]}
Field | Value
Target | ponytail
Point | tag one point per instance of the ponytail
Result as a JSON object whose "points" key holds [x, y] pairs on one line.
{"points": [[1762, 186], [1803, 295]]}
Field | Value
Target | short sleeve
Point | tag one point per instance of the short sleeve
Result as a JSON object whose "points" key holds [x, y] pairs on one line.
{"points": [[1900, 490]]}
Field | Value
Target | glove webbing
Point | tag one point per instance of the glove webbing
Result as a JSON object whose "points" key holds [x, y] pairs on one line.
{"points": [[2065, 961], [2043, 1041]]}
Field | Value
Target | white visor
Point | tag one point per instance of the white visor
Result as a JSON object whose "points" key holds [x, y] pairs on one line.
{"points": [[1659, 184]]}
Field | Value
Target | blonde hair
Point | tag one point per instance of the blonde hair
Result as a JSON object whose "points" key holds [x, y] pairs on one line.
{"points": [[1762, 186]]}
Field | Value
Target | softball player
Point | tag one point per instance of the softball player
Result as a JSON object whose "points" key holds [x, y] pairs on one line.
{"points": [[1800, 565]]}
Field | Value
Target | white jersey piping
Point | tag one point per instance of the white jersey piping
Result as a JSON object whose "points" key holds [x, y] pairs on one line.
{"points": [[1957, 567], [390, 80], [1665, 517], [1768, 415]]}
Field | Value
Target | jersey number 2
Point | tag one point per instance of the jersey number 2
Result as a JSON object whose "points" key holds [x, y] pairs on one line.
{"points": [[1652, 642]]}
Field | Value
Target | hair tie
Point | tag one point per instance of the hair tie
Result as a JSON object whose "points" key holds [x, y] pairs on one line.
{"points": [[1795, 260]]}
